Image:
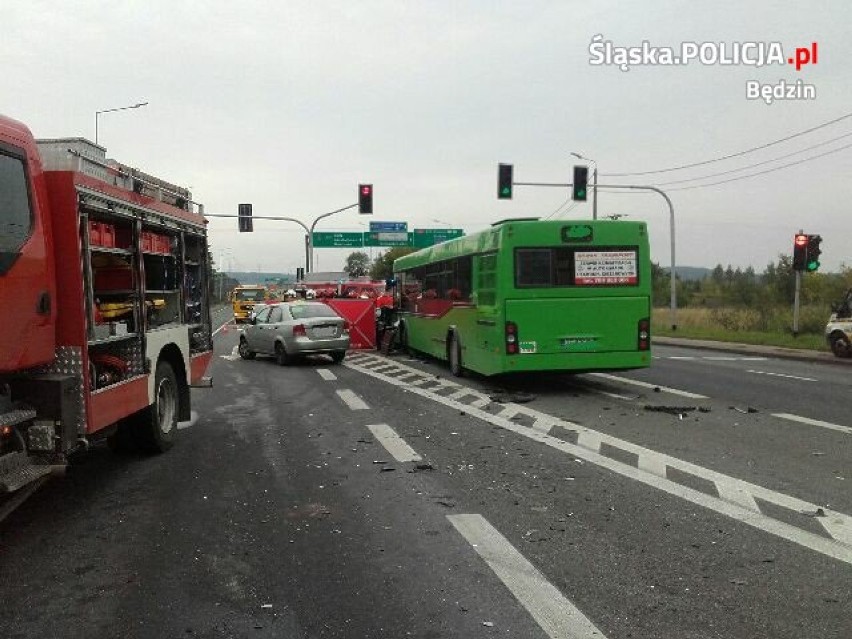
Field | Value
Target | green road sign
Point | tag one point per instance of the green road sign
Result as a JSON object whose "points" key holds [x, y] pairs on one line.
{"points": [[387, 238], [325, 239], [422, 238]]}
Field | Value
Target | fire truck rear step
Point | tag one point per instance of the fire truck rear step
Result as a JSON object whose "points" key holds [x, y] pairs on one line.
{"points": [[18, 470], [15, 417]]}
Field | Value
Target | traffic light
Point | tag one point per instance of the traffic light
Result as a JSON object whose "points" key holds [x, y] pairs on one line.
{"points": [[504, 181], [581, 181], [244, 218], [365, 199], [814, 252], [300, 274], [800, 252]]}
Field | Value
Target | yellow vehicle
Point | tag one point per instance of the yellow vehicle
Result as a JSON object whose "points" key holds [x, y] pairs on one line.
{"points": [[244, 299]]}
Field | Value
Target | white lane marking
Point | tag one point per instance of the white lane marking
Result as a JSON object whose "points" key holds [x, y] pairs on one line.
{"points": [[393, 443], [681, 357], [636, 382], [814, 422], [220, 328], [193, 417], [626, 398], [543, 426], [556, 615], [233, 356], [803, 379], [652, 472], [326, 374], [351, 399]]}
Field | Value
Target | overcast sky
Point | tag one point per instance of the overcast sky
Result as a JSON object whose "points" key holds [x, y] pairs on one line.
{"points": [[288, 105]]}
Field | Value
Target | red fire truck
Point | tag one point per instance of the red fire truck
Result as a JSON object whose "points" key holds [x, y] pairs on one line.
{"points": [[104, 304]]}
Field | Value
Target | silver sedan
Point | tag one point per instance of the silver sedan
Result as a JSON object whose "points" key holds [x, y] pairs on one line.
{"points": [[292, 329]]}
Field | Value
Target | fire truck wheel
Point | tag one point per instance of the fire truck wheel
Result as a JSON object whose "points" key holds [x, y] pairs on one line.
{"points": [[159, 421], [244, 350], [455, 356]]}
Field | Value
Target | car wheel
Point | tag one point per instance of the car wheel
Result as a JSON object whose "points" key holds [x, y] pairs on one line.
{"points": [[840, 345], [244, 350], [158, 423], [455, 356], [337, 356], [281, 356]]}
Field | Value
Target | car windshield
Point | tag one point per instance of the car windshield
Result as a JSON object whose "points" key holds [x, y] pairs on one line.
{"points": [[250, 295], [304, 311]]}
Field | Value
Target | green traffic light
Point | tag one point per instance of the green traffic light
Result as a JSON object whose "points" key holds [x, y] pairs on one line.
{"points": [[506, 190], [812, 266], [581, 193]]}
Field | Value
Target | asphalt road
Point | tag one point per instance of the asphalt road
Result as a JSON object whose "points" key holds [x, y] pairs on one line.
{"points": [[384, 498]]}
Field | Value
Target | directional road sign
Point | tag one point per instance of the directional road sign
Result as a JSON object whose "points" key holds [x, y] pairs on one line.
{"points": [[422, 238], [388, 227], [325, 239], [394, 238]]}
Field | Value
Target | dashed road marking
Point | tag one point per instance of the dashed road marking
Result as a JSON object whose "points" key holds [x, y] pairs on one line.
{"points": [[626, 398], [393, 443], [734, 498], [228, 323], [802, 379], [556, 615], [814, 422], [351, 399], [636, 382], [326, 374]]}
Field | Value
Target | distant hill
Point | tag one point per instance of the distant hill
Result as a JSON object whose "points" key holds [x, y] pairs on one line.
{"points": [[689, 273]]}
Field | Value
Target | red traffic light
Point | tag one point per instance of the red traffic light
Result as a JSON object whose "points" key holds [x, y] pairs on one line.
{"points": [[801, 240], [365, 198]]}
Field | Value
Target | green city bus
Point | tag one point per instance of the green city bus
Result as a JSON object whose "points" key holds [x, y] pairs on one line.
{"points": [[531, 295]]}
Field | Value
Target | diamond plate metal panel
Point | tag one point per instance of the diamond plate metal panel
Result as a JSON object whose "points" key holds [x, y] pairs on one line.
{"points": [[69, 361]]}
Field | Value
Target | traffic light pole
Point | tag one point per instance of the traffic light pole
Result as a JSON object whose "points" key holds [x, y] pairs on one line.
{"points": [[796, 296], [309, 230], [310, 244], [673, 282]]}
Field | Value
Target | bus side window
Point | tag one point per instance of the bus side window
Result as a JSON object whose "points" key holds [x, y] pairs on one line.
{"points": [[463, 278]]}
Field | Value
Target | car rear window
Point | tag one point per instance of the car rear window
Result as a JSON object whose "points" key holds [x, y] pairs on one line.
{"points": [[303, 311]]}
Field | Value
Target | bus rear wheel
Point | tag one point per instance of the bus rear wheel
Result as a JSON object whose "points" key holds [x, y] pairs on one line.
{"points": [[455, 356]]}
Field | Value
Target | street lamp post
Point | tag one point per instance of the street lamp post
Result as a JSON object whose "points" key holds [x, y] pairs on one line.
{"points": [[594, 183], [124, 108]]}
